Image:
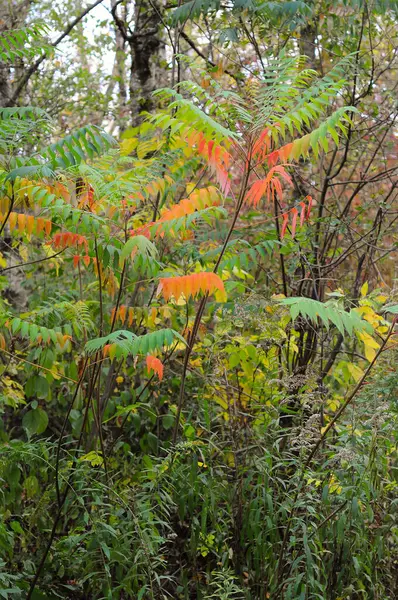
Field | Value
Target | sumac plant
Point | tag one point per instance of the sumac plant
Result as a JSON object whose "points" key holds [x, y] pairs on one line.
{"points": [[160, 360]]}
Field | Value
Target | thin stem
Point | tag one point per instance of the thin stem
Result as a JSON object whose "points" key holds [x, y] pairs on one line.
{"points": [[202, 305]]}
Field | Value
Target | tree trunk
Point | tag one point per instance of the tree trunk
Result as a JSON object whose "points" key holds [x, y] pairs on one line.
{"points": [[11, 17], [119, 70], [144, 45], [308, 44]]}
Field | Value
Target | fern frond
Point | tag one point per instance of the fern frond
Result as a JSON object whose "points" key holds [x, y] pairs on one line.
{"points": [[295, 96], [198, 200], [138, 244], [327, 313], [84, 143], [123, 343], [189, 115], [25, 43], [20, 125], [199, 217], [74, 315], [317, 139], [36, 333], [201, 204]]}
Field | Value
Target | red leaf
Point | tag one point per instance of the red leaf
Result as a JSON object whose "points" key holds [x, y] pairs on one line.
{"points": [[262, 145], [273, 158], [210, 146], [294, 212], [302, 214], [284, 224], [144, 230], [269, 186], [67, 239], [310, 203], [76, 259]]}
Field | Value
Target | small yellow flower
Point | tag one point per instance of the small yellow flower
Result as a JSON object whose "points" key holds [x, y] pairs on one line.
{"points": [[119, 379]]}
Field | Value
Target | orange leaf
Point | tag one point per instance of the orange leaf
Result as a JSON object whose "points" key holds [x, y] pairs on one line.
{"points": [[269, 186], [62, 339], [86, 260], [198, 200], [144, 230], [30, 223], [12, 220], [189, 286], [76, 259], [21, 222], [273, 158], [154, 364], [285, 151], [122, 313], [47, 227], [40, 223]]}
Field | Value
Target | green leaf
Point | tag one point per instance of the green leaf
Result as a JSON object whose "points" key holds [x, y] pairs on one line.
{"points": [[328, 313], [393, 309], [127, 343], [141, 244], [35, 421]]}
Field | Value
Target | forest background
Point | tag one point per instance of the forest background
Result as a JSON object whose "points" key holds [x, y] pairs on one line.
{"points": [[198, 247]]}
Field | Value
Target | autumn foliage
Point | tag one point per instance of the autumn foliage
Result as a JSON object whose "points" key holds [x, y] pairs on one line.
{"points": [[189, 286]]}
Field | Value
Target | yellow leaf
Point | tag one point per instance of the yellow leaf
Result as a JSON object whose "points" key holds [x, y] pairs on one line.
{"points": [[112, 351], [221, 402], [370, 353], [370, 345], [127, 146], [355, 371], [94, 458], [333, 404], [369, 315], [23, 252], [382, 329], [364, 289]]}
